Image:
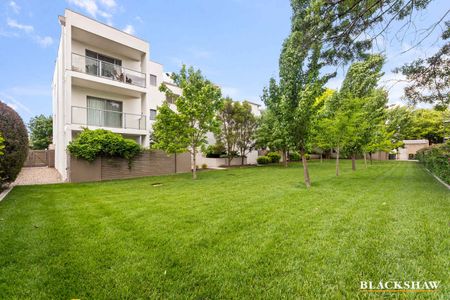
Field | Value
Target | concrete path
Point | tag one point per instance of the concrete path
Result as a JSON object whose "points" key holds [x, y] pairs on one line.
{"points": [[37, 175]]}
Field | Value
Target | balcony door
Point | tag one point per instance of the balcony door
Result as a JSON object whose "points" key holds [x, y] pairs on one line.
{"points": [[102, 65], [104, 112]]}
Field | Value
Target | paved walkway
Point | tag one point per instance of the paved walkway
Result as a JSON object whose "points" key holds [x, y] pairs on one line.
{"points": [[37, 175]]}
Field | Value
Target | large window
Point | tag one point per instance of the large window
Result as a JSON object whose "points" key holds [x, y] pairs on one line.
{"points": [[104, 112], [102, 65]]}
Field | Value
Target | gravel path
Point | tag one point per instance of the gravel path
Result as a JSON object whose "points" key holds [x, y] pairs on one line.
{"points": [[37, 175]]}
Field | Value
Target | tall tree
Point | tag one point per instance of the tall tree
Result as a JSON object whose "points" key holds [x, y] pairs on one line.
{"points": [[427, 124], [247, 125], [41, 132], [228, 134], [399, 122], [359, 97], [185, 128], [300, 79], [273, 131]]}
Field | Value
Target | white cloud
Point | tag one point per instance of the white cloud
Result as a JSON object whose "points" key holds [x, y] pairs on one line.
{"points": [[199, 53], [44, 41], [15, 8], [129, 29], [16, 25], [95, 8], [88, 5], [109, 3], [29, 90]]}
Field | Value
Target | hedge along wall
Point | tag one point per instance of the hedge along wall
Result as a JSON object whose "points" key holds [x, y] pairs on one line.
{"points": [[437, 159], [147, 163]]}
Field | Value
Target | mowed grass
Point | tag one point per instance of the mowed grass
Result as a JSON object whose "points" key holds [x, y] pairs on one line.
{"points": [[243, 233]]}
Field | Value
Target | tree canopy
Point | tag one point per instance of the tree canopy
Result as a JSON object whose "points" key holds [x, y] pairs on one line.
{"points": [[184, 128], [41, 132]]}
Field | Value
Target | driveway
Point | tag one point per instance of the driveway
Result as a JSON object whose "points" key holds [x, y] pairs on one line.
{"points": [[37, 175]]}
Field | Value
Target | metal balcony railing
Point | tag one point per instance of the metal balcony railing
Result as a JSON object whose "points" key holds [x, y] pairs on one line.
{"points": [[107, 118], [100, 68]]}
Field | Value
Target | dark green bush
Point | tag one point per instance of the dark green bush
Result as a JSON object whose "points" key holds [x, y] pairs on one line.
{"points": [[294, 156], [91, 144], [15, 144], [215, 151], [263, 160], [437, 159], [275, 157]]}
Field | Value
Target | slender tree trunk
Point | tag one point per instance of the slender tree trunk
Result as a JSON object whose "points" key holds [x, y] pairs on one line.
{"points": [[242, 160], [370, 157], [321, 157], [337, 161], [353, 162], [365, 160], [305, 170], [194, 162], [285, 158]]}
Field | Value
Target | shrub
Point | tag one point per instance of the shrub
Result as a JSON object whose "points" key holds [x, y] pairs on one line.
{"points": [[275, 157], [307, 156], [294, 156], [204, 166], [15, 144], [263, 160], [215, 151], [91, 144], [437, 159]]}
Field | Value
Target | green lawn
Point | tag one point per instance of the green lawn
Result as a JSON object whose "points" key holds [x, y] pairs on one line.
{"points": [[240, 233]]}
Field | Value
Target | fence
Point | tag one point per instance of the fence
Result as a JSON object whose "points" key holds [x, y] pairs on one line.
{"points": [[40, 158], [148, 163]]}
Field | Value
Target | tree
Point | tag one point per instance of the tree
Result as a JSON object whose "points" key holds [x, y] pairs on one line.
{"points": [[335, 128], [399, 122], [427, 124], [185, 128], [229, 130], [430, 78], [15, 150], [362, 102], [300, 79], [272, 131], [41, 132], [2, 145], [247, 125]]}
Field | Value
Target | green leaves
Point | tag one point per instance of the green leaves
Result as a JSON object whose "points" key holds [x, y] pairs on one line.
{"points": [[41, 131], [91, 144]]}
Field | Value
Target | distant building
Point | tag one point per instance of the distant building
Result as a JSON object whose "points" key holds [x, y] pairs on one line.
{"points": [[410, 148]]}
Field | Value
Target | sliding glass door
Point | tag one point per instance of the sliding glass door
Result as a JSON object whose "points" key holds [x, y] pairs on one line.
{"points": [[104, 112]]}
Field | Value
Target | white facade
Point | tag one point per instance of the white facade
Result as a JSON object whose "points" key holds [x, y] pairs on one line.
{"points": [[410, 148], [103, 78]]}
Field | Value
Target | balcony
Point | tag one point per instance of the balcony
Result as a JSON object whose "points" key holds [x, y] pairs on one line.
{"points": [[103, 69], [107, 118]]}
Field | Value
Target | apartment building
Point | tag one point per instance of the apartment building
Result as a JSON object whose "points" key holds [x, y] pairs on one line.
{"points": [[104, 78]]}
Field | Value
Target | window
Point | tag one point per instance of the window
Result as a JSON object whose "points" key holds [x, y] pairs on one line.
{"points": [[104, 112], [102, 65], [152, 79], [152, 114], [171, 100]]}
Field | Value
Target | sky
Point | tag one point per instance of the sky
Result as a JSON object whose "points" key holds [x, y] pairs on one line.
{"points": [[236, 43]]}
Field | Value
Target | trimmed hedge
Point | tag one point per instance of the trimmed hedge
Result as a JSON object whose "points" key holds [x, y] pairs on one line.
{"points": [[437, 159], [91, 144], [275, 157], [15, 143], [263, 160]]}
